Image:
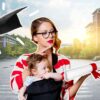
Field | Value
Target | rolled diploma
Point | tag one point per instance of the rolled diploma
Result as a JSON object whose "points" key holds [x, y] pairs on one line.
{"points": [[80, 71]]}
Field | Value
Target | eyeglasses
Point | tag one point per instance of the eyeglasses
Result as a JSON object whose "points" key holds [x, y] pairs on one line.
{"points": [[46, 34]]}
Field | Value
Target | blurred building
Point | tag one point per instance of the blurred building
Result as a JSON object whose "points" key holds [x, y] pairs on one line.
{"points": [[93, 29], [5, 39], [91, 36], [96, 22]]}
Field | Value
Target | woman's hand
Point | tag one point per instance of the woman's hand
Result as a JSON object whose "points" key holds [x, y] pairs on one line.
{"points": [[21, 97], [73, 89], [21, 94], [43, 51]]}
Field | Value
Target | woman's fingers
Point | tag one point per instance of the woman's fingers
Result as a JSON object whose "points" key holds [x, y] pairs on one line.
{"points": [[43, 51]]}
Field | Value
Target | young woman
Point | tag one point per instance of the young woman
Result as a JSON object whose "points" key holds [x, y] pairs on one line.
{"points": [[45, 35]]}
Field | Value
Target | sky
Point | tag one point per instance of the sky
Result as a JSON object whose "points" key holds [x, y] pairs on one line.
{"points": [[69, 16]]}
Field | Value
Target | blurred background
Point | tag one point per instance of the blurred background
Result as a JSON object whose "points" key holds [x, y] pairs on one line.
{"points": [[78, 24]]}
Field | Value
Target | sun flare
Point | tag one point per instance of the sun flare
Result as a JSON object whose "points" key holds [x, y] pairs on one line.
{"points": [[68, 37]]}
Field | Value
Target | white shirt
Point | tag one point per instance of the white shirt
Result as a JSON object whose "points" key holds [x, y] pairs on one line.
{"points": [[30, 79]]}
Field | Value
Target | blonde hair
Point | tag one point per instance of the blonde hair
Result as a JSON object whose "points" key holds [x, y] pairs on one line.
{"points": [[57, 43]]}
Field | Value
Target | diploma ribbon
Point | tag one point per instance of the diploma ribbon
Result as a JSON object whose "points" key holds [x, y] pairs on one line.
{"points": [[94, 71]]}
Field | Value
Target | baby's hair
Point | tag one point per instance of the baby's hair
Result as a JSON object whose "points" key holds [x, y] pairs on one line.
{"points": [[33, 59]]}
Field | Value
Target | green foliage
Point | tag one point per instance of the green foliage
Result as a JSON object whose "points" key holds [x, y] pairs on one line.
{"points": [[17, 49], [88, 52], [66, 51], [79, 50], [76, 48]]}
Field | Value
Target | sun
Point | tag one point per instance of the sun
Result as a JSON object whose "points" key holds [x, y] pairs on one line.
{"points": [[81, 35], [68, 37]]}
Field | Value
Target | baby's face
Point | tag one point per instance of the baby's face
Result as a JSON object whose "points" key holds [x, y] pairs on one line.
{"points": [[42, 67]]}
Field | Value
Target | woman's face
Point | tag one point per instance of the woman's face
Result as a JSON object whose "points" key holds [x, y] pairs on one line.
{"points": [[45, 35]]}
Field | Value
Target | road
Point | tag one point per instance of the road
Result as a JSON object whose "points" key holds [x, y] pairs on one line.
{"points": [[88, 91]]}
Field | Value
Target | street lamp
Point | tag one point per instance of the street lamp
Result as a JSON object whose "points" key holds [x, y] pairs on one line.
{"points": [[34, 13], [20, 41], [3, 6]]}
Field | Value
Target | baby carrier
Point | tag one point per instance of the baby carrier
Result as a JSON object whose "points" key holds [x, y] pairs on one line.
{"points": [[45, 89]]}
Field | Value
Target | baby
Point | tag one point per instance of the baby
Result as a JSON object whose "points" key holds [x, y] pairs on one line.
{"points": [[40, 69]]}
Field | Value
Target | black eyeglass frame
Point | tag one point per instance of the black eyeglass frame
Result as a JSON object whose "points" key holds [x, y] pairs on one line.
{"points": [[53, 32]]}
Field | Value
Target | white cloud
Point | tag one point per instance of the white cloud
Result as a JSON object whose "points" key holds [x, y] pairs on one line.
{"points": [[58, 3], [22, 0], [23, 31], [78, 18]]}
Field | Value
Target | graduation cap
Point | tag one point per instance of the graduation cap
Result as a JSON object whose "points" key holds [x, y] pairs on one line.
{"points": [[10, 21]]}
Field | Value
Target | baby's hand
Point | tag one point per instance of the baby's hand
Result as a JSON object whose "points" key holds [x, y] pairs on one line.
{"points": [[46, 75], [55, 76]]}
